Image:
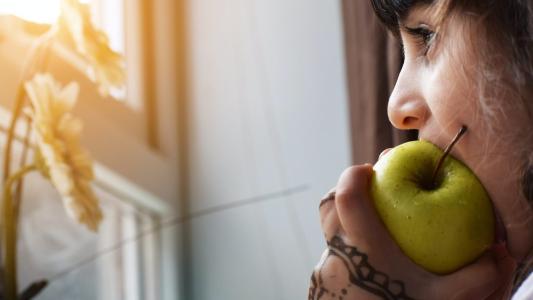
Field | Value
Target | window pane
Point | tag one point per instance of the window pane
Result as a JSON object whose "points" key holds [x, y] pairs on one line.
{"points": [[80, 264], [107, 15], [40, 11]]}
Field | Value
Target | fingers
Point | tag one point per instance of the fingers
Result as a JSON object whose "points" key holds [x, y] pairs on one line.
{"points": [[486, 278], [361, 224], [329, 220], [354, 206], [348, 208], [328, 198]]}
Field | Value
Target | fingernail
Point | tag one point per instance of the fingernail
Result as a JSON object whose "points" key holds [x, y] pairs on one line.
{"points": [[329, 197]]}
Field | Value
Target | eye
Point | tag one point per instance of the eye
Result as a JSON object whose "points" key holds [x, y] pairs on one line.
{"points": [[423, 36]]}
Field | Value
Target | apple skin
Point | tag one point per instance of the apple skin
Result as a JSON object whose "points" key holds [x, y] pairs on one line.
{"points": [[441, 228]]}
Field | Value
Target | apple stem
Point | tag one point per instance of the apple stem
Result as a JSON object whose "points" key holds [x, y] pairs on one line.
{"points": [[447, 151]]}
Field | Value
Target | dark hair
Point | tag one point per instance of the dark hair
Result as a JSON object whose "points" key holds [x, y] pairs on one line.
{"points": [[507, 21], [391, 12], [527, 182], [507, 26]]}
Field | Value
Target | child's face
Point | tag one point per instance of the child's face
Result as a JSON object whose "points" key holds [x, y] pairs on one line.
{"points": [[436, 94]]}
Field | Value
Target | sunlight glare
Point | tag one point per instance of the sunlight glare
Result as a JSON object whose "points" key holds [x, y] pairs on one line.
{"points": [[39, 11]]}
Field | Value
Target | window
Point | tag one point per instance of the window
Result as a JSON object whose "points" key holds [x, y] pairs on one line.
{"points": [[121, 262], [40, 12], [135, 165], [109, 15]]}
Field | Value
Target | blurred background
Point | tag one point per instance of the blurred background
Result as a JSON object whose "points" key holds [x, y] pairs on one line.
{"points": [[236, 119]]}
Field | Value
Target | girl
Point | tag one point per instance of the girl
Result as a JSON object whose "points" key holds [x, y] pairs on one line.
{"points": [[467, 62]]}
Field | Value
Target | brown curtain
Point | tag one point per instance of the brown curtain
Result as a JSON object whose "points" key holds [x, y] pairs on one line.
{"points": [[374, 60]]}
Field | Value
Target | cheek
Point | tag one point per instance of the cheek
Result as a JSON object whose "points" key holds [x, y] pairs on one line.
{"points": [[454, 101], [450, 98]]}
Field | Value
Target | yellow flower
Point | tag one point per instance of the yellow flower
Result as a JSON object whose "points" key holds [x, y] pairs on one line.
{"points": [[106, 67], [59, 154]]}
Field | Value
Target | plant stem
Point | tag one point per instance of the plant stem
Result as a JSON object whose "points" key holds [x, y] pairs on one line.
{"points": [[21, 94], [448, 149], [29, 67], [10, 235], [19, 101], [42, 59], [17, 197]]}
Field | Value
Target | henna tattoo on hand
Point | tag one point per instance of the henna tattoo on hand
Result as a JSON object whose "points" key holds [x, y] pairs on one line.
{"points": [[360, 274]]}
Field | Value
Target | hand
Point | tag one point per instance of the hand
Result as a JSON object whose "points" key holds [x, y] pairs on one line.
{"points": [[362, 261]]}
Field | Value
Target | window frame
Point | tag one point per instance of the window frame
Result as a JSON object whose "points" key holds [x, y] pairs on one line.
{"points": [[135, 147]]}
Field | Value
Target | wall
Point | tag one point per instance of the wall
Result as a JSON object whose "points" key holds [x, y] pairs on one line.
{"points": [[268, 137]]}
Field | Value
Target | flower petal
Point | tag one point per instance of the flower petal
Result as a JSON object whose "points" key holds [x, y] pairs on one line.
{"points": [[60, 156]]}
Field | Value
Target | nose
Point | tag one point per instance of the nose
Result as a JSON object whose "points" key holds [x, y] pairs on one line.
{"points": [[407, 108]]}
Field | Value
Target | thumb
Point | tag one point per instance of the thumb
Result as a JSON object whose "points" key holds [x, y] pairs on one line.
{"points": [[506, 266], [487, 276]]}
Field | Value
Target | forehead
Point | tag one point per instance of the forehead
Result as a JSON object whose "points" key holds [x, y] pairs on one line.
{"points": [[420, 13]]}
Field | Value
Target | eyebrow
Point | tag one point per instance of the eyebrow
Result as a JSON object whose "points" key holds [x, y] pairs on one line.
{"points": [[419, 5]]}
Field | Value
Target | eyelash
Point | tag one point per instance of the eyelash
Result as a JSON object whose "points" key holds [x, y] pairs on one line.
{"points": [[423, 36]]}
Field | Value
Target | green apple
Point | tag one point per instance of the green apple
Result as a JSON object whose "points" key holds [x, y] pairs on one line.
{"points": [[441, 225]]}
